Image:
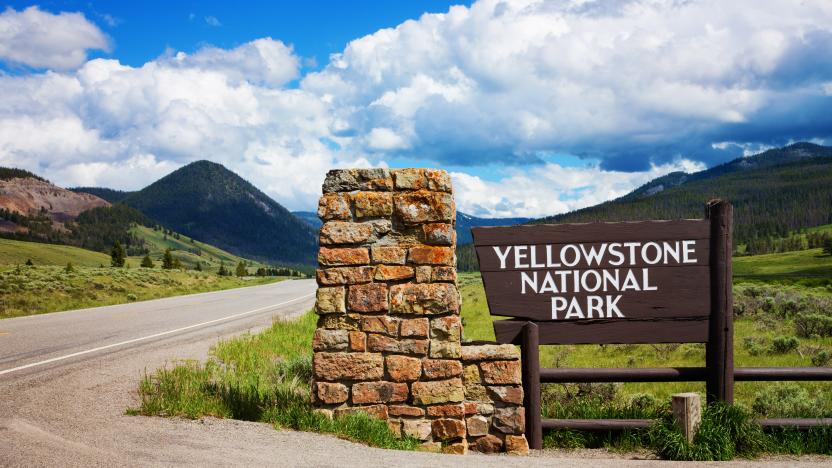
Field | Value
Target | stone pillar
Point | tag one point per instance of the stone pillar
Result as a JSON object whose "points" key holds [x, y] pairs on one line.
{"points": [[388, 340]]}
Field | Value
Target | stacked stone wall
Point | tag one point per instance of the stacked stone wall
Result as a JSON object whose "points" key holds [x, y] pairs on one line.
{"points": [[389, 336]]}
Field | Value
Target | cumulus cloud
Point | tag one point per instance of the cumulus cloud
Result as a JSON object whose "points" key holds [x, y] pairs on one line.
{"points": [[638, 88], [39, 39], [552, 188], [631, 83]]}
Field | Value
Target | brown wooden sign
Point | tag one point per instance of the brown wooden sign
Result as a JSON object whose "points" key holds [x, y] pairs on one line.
{"points": [[631, 282]]}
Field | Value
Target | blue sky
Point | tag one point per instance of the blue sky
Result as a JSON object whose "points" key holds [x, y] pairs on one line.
{"points": [[536, 107]]}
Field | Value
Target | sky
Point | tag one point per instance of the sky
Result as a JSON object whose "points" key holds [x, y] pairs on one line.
{"points": [[535, 107]]}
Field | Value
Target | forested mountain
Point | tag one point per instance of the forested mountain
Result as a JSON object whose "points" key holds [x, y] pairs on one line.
{"points": [[112, 196], [309, 217], [206, 201], [773, 193]]}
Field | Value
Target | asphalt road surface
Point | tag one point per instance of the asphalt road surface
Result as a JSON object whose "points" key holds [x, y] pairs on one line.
{"points": [[66, 379]]}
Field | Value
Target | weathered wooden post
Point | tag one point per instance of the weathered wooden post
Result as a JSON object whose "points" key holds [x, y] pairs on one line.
{"points": [[719, 353], [687, 409], [530, 359]]}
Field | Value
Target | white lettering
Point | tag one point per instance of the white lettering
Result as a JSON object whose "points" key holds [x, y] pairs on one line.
{"points": [[502, 256], [612, 306], [558, 304], [530, 280], [519, 254], [688, 251]]}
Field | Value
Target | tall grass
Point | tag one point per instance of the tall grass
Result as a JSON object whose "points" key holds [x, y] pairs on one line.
{"points": [[257, 377]]}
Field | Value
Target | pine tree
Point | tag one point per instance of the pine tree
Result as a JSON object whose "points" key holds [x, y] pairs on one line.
{"points": [[117, 255], [177, 265], [167, 260], [69, 268], [198, 266], [827, 246], [222, 271], [241, 269], [29, 262], [147, 262]]}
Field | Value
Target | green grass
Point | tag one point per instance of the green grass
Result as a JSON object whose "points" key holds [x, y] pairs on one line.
{"points": [[262, 377], [28, 290], [15, 252], [804, 267], [189, 253]]}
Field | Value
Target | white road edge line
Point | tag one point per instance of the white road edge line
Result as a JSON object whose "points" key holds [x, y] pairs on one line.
{"points": [[148, 337]]}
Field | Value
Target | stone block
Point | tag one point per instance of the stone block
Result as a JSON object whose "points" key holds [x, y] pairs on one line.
{"points": [[334, 206], [409, 179], [375, 411], [372, 204], [441, 349], [331, 300], [441, 368], [330, 340], [447, 411], [428, 298], [476, 392], [489, 352], [446, 328], [510, 420], [488, 444], [348, 180], [348, 366], [423, 274], [395, 425], [379, 392], [432, 447], [456, 448], [381, 343], [338, 321], [444, 273], [331, 393], [341, 232], [438, 180], [403, 368], [380, 324], [439, 234], [424, 207], [477, 425], [358, 341], [393, 273], [405, 410], [506, 394], [414, 328], [343, 257], [437, 391], [387, 254], [416, 428], [345, 275], [430, 255], [687, 410], [517, 445], [340, 180], [471, 374], [501, 372], [370, 297], [448, 429]]}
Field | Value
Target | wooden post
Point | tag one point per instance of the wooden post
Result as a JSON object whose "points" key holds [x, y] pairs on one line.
{"points": [[530, 358], [719, 352], [687, 409]]}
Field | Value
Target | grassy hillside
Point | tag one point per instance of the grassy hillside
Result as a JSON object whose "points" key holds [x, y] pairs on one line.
{"points": [[15, 252], [187, 250], [803, 267], [28, 290]]}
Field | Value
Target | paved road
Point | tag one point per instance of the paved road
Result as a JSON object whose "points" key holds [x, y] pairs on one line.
{"points": [[66, 379]]}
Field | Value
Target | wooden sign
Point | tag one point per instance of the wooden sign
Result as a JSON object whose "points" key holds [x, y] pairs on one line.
{"points": [[631, 282]]}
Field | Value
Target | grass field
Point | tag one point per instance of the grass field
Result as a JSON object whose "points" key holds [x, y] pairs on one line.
{"points": [[188, 251], [28, 290], [803, 267], [14, 252]]}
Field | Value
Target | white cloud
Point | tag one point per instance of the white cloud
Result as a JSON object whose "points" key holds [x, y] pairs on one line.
{"points": [[212, 21], [552, 189], [39, 39]]}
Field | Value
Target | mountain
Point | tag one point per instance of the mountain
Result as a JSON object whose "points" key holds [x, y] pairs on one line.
{"points": [[309, 217], [773, 193], [207, 202], [112, 196]]}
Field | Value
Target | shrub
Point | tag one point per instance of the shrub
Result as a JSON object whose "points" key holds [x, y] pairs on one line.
{"points": [[807, 325], [784, 344], [132, 297], [821, 358], [785, 400], [755, 345]]}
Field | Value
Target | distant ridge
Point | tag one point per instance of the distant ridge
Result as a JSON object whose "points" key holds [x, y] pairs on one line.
{"points": [[206, 201], [112, 196]]}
